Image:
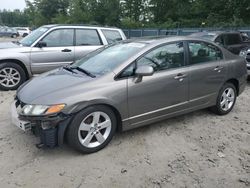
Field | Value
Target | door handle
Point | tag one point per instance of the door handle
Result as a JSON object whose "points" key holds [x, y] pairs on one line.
{"points": [[66, 50], [218, 68], [180, 77]]}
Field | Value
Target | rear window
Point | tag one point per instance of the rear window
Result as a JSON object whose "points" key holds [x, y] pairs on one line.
{"points": [[112, 36], [231, 39]]}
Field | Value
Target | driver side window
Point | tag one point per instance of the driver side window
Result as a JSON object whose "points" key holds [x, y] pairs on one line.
{"points": [[164, 57], [59, 38]]}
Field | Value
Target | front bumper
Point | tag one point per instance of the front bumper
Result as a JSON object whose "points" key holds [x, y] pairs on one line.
{"points": [[50, 129]]}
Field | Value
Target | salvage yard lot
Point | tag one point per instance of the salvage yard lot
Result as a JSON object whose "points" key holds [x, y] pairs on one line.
{"points": [[199, 149]]}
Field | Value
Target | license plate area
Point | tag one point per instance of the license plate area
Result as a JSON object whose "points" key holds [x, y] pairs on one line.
{"points": [[24, 125]]}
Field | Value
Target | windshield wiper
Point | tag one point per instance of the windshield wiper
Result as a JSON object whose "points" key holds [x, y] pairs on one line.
{"points": [[68, 69], [16, 42], [84, 71]]}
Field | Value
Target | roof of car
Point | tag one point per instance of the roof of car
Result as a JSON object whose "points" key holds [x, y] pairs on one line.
{"points": [[215, 33], [78, 25], [160, 39]]}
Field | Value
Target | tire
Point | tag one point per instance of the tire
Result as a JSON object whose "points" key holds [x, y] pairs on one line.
{"points": [[12, 76], [225, 105], [24, 35], [84, 132], [14, 36]]}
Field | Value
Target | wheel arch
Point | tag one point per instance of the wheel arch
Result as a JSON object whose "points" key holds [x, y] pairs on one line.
{"points": [[18, 62], [235, 82], [64, 128]]}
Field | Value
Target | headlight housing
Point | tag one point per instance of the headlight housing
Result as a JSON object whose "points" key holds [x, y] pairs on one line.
{"points": [[36, 110]]}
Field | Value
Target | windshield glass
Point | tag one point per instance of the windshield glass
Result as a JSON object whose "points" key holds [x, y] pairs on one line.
{"points": [[106, 59], [33, 36]]}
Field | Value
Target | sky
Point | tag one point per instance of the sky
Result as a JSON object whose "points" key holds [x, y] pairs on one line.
{"points": [[12, 4]]}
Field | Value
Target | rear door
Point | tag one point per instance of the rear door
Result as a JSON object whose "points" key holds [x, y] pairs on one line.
{"points": [[86, 40], [207, 72], [59, 51]]}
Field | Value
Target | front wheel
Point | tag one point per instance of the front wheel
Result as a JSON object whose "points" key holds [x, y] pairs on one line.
{"points": [[226, 99], [92, 129], [11, 76]]}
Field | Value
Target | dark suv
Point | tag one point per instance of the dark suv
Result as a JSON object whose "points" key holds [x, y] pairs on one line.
{"points": [[233, 41]]}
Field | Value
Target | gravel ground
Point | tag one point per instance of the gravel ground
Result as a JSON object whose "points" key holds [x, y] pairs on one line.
{"points": [[199, 149]]}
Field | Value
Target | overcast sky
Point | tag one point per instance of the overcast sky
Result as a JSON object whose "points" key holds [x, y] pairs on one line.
{"points": [[12, 4]]}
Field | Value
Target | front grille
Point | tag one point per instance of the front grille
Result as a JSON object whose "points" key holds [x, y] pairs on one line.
{"points": [[19, 103]]}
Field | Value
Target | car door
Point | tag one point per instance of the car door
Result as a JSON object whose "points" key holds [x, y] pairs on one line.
{"points": [[207, 72], [87, 40], [163, 93], [59, 51]]}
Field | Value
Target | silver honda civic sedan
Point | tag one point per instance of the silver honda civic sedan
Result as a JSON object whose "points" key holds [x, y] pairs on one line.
{"points": [[126, 85]]}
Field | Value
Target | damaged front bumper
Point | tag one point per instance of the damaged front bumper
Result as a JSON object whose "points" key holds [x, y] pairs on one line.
{"points": [[50, 129]]}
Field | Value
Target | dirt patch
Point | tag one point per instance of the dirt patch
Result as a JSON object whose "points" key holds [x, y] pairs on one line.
{"points": [[199, 149]]}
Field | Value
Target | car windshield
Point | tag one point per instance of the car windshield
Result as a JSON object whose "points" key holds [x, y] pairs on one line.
{"points": [[31, 38], [104, 60]]}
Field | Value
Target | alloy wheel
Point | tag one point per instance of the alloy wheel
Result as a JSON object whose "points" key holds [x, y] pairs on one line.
{"points": [[227, 99], [9, 77], [94, 129]]}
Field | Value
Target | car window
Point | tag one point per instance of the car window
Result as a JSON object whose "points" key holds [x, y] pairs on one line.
{"points": [[87, 37], [129, 71], [112, 35], [31, 38], [231, 39], [164, 57], [219, 40], [59, 38], [201, 52]]}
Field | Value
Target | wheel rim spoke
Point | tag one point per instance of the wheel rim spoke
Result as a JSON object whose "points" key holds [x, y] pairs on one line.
{"points": [[84, 127], [96, 117], [99, 137], [87, 139], [105, 124]]}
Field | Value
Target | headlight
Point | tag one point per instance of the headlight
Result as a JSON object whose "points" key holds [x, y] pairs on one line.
{"points": [[36, 110]]}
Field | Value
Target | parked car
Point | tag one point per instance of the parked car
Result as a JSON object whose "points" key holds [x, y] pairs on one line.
{"points": [[50, 47], [127, 85], [233, 41], [8, 32], [23, 31], [246, 54]]}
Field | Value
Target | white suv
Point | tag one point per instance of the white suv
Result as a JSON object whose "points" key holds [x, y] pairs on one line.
{"points": [[23, 31], [49, 47]]}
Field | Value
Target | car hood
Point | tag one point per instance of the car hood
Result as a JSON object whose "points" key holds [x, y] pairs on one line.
{"points": [[55, 81], [7, 45]]}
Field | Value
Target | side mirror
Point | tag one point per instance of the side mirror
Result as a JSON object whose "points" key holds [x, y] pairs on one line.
{"points": [[41, 44], [145, 70]]}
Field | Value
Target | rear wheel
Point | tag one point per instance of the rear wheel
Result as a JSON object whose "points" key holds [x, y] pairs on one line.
{"points": [[226, 99], [11, 76], [92, 129]]}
